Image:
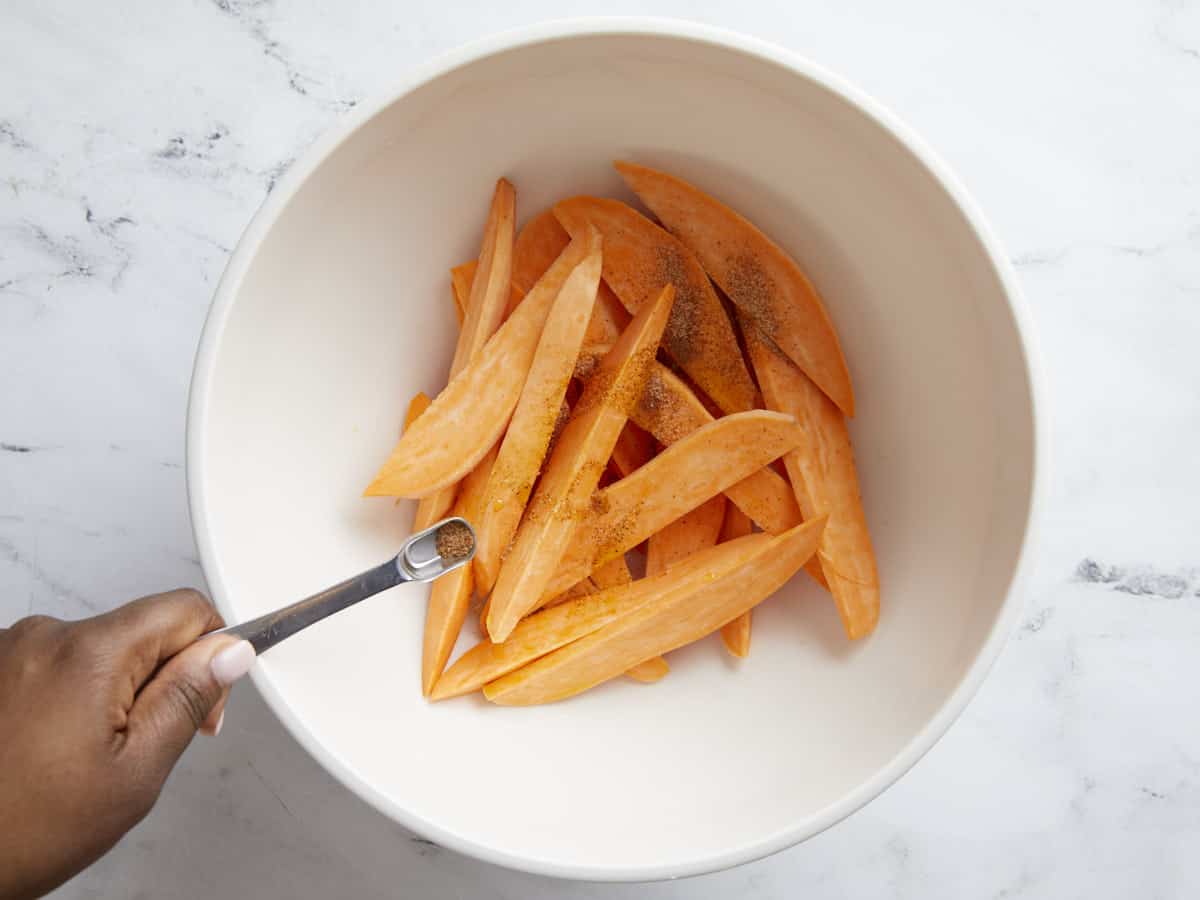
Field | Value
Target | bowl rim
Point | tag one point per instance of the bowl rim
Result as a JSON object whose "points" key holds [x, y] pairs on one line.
{"points": [[548, 31]]}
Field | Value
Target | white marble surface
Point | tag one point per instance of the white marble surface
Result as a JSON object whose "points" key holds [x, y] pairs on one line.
{"points": [[137, 139]]}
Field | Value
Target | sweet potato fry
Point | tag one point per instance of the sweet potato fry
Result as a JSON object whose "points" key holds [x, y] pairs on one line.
{"points": [[539, 244], [759, 277], [736, 634], [417, 405], [639, 257], [584, 588], [824, 478], [613, 573], [528, 437], [450, 595], [670, 410], [558, 625], [680, 478], [675, 617], [609, 318], [634, 448], [649, 671], [572, 472], [461, 277], [490, 283], [471, 413], [697, 529], [484, 310]]}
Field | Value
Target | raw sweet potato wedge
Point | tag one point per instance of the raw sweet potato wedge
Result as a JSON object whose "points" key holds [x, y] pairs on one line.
{"points": [[488, 299], [634, 448], [471, 413], [584, 588], [649, 671], [460, 288], [613, 573], [574, 469], [670, 410], [697, 529], [609, 318], [757, 275], [483, 312], [450, 595], [558, 625], [824, 478], [461, 277], [679, 479], [525, 443], [538, 244], [417, 405], [639, 257], [736, 634], [675, 617]]}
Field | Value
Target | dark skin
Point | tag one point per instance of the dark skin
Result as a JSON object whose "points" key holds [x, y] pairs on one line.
{"points": [[94, 715]]}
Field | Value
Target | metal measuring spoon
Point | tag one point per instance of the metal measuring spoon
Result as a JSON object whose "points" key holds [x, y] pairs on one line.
{"points": [[439, 549]]}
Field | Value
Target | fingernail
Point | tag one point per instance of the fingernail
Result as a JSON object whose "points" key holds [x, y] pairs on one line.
{"points": [[232, 663], [216, 729]]}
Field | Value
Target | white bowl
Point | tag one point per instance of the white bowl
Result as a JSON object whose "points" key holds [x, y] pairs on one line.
{"points": [[335, 308]]}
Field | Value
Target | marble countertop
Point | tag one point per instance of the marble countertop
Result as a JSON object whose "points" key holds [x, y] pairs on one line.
{"points": [[136, 144]]}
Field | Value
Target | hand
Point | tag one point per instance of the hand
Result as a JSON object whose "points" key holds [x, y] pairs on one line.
{"points": [[93, 716]]}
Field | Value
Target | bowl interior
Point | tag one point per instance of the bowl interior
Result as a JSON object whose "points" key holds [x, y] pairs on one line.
{"points": [[344, 311]]}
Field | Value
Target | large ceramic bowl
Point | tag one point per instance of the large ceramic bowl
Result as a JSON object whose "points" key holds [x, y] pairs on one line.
{"points": [[335, 308]]}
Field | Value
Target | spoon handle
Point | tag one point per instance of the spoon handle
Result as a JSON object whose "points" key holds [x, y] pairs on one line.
{"points": [[267, 631]]}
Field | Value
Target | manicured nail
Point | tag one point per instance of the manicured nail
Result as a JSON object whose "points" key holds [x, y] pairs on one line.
{"points": [[232, 663], [216, 729]]}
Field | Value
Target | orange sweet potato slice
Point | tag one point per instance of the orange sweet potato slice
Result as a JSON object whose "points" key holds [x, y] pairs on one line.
{"points": [[669, 410], [613, 573], [824, 478], [692, 532], [574, 469], [488, 297], [759, 277], [450, 595], [471, 413], [695, 530], [538, 245], [485, 308], [639, 257], [583, 588], [609, 318], [461, 277], [557, 626], [736, 634], [540, 241], [533, 422], [634, 448], [675, 617], [680, 478], [417, 405], [649, 671]]}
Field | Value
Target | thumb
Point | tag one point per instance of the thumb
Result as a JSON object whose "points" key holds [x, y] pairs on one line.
{"points": [[180, 697]]}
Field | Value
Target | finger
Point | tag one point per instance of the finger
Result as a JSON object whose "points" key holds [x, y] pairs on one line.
{"points": [[148, 632], [216, 718], [178, 700]]}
